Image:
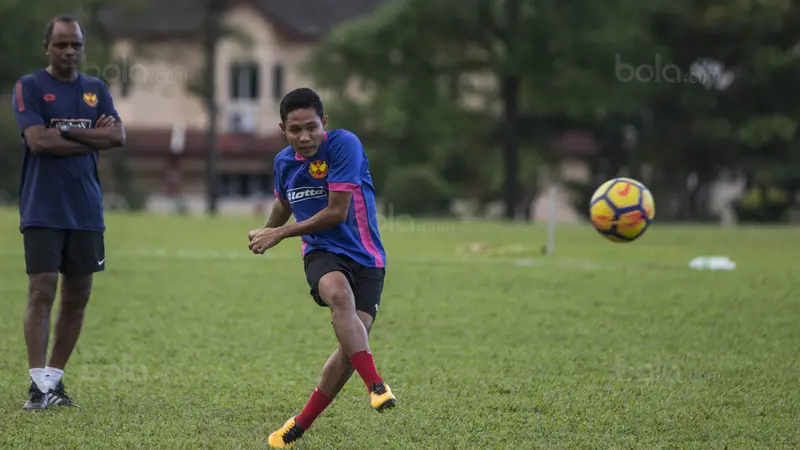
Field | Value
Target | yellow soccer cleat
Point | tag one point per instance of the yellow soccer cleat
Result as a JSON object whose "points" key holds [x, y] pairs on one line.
{"points": [[287, 435], [381, 397]]}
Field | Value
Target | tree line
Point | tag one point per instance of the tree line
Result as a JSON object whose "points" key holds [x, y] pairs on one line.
{"points": [[678, 92], [463, 97]]}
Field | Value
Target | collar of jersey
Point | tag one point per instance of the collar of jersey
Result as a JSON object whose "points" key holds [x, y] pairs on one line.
{"points": [[321, 147], [69, 83]]}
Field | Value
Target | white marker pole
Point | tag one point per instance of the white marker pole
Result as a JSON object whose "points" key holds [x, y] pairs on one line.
{"points": [[551, 222]]}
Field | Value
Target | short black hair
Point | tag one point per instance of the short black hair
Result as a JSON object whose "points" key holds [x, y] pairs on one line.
{"points": [[65, 18], [300, 98]]}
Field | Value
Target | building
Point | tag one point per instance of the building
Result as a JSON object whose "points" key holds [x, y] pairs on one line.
{"points": [[158, 58]]}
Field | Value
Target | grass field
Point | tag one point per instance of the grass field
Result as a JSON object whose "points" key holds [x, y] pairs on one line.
{"points": [[192, 342]]}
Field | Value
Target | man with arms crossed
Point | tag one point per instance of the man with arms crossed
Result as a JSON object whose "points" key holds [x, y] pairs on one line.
{"points": [[65, 118]]}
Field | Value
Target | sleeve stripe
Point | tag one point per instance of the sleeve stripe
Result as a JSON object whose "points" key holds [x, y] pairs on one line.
{"points": [[343, 187], [20, 100]]}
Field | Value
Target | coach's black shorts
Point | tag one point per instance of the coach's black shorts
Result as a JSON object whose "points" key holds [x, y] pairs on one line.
{"points": [[366, 282], [70, 252]]}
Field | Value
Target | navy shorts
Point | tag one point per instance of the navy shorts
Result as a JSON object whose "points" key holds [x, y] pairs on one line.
{"points": [[70, 252], [366, 282]]}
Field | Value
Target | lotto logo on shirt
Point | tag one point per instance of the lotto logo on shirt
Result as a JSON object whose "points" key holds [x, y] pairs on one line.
{"points": [[304, 193]]}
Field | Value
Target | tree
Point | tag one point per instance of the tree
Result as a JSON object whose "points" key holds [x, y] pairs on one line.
{"points": [[443, 81], [735, 105], [212, 35]]}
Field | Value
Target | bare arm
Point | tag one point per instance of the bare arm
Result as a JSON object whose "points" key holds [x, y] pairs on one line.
{"points": [[332, 215], [281, 211], [280, 214], [49, 142], [109, 135]]}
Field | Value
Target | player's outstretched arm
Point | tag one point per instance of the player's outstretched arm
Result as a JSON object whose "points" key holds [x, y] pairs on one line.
{"points": [[280, 214], [107, 134], [46, 141]]}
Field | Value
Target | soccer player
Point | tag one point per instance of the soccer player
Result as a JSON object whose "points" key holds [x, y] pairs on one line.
{"points": [[323, 179], [65, 118]]}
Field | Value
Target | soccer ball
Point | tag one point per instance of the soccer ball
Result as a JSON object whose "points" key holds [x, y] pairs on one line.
{"points": [[622, 209]]}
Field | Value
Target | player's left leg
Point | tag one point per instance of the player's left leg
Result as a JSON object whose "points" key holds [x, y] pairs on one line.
{"points": [[336, 292], [367, 290], [84, 255], [345, 287], [338, 369], [363, 296]]}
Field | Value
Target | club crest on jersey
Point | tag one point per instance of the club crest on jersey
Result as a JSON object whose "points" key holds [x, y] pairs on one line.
{"points": [[90, 99], [318, 169], [301, 194]]}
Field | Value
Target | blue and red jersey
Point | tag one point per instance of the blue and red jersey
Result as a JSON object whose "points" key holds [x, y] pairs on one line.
{"points": [[340, 164]]}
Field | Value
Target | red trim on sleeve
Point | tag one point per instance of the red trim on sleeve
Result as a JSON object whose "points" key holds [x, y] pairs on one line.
{"points": [[20, 100]]}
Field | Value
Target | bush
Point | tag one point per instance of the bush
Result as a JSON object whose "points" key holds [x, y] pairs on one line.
{"points": [[10, 159], [581, 196], [417, 190], [764, 204], [123, 180]]}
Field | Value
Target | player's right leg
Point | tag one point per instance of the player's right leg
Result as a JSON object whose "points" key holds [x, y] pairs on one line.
{"points": [[43, 248]]}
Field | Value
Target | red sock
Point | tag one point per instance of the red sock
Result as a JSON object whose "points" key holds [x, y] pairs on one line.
{"points": [[316, 404], [365, 366]]}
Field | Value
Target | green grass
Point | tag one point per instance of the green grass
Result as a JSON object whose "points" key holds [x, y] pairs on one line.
{"points": [[191, 342]]}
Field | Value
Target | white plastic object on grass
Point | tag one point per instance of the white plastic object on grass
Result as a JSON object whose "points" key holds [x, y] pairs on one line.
{"points": [[712, 263]]}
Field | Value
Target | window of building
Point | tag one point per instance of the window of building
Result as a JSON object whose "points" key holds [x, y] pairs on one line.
{"points": [[244, 185], [245, 80], [277, 81]]}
